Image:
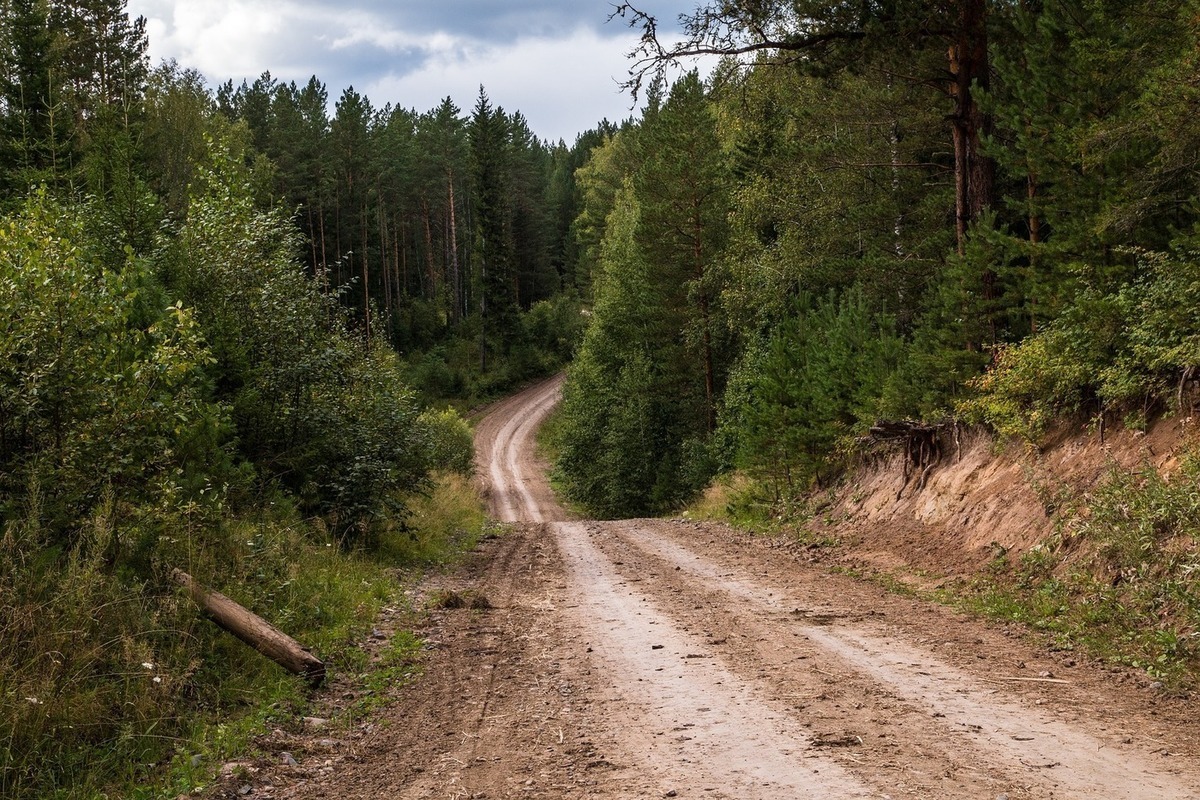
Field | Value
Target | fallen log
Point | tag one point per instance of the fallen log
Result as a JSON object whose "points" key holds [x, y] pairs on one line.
{"points": [[254, 630]]}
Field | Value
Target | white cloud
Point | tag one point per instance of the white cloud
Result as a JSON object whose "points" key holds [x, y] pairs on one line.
{"points": [[563, 86], [564, 83]]}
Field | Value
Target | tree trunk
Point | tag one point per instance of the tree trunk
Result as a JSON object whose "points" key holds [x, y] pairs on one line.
{"points": [[974, 173], [254, 630], [430, 266], [454, 269], [324, 249], [710, 402], [366, 293], [384, 271], [1035, 238]]}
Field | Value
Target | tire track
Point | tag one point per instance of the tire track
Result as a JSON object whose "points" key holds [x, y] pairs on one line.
{"points": [[1044, 754], [718, 683]]}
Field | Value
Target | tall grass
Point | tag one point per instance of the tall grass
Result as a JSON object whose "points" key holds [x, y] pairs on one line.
{"points": [[110, 682]]}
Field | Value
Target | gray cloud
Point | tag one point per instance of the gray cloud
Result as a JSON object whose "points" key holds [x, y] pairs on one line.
{"points": [[557, 61]]}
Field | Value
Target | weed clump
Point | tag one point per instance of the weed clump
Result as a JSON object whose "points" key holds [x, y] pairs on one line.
{"points": [[469, 598]]}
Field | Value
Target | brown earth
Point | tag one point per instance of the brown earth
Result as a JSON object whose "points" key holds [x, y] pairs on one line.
{"points": [[982, 500], [654, 658]]}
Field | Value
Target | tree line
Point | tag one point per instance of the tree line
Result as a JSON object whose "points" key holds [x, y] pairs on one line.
{"points": [[433, 221], [902, 210]]}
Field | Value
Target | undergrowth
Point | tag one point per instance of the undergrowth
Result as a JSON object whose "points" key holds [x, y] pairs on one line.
{"points": [[753, 505], [113, 684]]}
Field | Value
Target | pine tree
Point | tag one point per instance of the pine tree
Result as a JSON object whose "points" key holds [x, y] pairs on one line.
{"points": [[494, 257], [35, 122]]}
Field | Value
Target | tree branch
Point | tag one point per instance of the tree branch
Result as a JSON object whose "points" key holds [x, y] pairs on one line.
{"points": [[712, 33]]}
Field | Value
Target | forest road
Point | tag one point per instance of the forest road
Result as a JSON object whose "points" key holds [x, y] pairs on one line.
{"points": [[656, 658]]}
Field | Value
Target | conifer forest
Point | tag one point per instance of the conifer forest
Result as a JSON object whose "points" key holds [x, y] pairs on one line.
{"points": [[241, 328]]}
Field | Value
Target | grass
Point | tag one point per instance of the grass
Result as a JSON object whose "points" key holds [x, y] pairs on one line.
{"points": [[748, 505], [115, 685], [399, 663], [1120, 580], [448, 521]]}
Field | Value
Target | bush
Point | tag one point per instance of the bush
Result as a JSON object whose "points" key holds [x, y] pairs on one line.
{"points": [[1115, 352], [98, 391], [450, 442], [315, 409]]}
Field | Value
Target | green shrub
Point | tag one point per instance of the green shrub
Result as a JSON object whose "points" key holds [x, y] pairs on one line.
{"points": [[98, 392], [450, 441], [816, 380], [1126, 351]]}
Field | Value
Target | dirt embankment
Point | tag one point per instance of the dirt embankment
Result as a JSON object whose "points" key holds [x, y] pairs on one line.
{"points": [[982, 498]]}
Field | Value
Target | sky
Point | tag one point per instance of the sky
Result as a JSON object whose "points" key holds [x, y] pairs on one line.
{"points": [[558, 62]]}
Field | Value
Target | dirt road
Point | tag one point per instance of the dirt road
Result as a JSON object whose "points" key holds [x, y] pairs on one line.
{"points": [[651, 658]]}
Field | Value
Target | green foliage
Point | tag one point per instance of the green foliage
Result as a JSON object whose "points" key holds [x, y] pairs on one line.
{"points": [[324, 413], [813, 383], [640, 402], [450, 441], [102, 386], [1127, 350], [446, 522], [1032, 384]]}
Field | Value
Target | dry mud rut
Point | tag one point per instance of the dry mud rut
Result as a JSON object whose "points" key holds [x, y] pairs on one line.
{"points": [[653, 658]]}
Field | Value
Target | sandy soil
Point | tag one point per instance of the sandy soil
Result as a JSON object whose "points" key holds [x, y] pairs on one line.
{"points": [[654, 658]]}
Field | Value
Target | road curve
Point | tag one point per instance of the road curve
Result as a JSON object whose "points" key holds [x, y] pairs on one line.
{"points": [[515, 482], [728, 671]]}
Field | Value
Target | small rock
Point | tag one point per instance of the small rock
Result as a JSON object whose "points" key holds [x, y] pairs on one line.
{"points": [[196, 759], [315, 722], [1045, 674], [245, 789], [671, 793], [288, 760], [1156, 685], [1001, 797], [657, 646]]}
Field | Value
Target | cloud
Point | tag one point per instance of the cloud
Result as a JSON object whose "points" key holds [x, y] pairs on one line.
{"points": [[563, 85], [556, 61]]}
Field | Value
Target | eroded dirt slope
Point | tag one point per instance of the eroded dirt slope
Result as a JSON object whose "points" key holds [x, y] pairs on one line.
{"points": [[651, 658], [982, 498]]}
